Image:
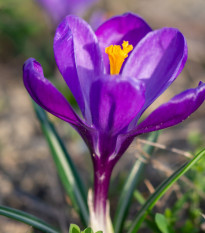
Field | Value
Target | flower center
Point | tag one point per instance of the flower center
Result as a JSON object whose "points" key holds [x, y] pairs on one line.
{"points": [[117, 56]]}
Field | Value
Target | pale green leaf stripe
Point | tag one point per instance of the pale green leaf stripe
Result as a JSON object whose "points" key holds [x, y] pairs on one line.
{"points": [[160, 191], [66, 169], [130, 185], [27, 219]]}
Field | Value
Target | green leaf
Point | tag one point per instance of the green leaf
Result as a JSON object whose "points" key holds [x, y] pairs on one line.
{"points": [[162, 223], [130, 185], [74, 228], [88, 230], [65, 167], [161, 190], [27, 219]]}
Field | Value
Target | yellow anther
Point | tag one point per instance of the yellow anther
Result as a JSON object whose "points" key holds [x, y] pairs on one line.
{"points": [[117, 56]]}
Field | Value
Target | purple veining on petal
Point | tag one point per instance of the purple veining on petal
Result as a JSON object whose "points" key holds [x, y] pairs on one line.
{"points": [[115, 101], [128, 27], [78, 58], [157, 59]]}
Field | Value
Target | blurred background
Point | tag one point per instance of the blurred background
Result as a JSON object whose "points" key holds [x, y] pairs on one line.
{"points": [[28, 178]]}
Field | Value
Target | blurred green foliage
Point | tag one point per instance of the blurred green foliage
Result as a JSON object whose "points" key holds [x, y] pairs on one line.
{"points": [[185, 215], [182, 213], [196, 139], [25, 33]]}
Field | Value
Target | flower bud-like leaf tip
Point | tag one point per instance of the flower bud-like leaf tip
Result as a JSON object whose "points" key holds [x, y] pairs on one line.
{"points": [[117, 56]]}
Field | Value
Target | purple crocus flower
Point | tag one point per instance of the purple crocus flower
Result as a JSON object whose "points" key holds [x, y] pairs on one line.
{"points": [[113, 86], [58, 9]]}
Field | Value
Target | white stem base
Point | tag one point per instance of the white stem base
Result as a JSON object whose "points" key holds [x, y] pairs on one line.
{"points": [[98, 220]]}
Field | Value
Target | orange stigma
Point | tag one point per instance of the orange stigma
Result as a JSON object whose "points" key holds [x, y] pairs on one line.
{"points": [[117, 56]]}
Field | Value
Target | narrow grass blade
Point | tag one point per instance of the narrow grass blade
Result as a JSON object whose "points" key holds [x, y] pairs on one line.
{"points": [[130, 185], [65, 167], [27, 219], [161, 190]]}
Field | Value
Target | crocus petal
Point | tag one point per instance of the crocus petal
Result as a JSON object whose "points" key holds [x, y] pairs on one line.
{"points": [[78, 57], [97, 18], [157, 59], [174, 111], [128, 27], [58, 9], [115, 101], [45, 94]]}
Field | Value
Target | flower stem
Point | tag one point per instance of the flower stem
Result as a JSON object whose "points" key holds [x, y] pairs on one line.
{"points": [[102, 175]]}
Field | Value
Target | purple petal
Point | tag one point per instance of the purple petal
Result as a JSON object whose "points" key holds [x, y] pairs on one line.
{"points": [[45, 94], [97, 18], [174, 111], [58, 9], [157, 59], [115, 101], [78, 57], [128, 27]]}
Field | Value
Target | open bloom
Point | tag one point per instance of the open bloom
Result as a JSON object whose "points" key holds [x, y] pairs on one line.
{"points": [[57, 9], [113, 86]]}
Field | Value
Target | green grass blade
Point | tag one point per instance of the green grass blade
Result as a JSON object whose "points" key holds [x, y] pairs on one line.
{"points": [[130, 185], [27, 219], [65, 167], [161, 190]]}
